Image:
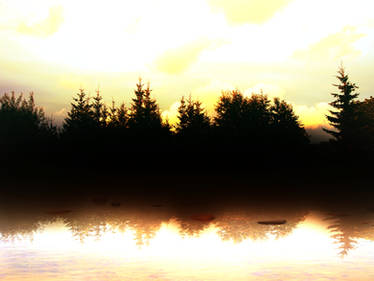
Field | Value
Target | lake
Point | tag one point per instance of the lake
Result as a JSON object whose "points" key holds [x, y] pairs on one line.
{"points": [[107, 239]]}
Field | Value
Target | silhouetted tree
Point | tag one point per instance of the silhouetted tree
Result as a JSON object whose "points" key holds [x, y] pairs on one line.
{"points": [[365, 113], [239, 116], [99, 111], [145, 117], [80, 118], [343, 117], [285, 123], [231, 110], [259, 115], [193, 119], [118, 116], [22, 121]]}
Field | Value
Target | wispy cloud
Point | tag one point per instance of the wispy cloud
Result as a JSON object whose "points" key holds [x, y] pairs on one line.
{"points": [[334, 46], [249, 11], [46, 27], [178, 60]]}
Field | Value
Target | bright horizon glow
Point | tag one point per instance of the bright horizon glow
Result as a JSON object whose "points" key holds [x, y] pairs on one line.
{"points": [[192, 47]]}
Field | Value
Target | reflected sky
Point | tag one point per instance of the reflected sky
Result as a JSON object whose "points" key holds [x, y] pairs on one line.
{"points": [[310, 245]]}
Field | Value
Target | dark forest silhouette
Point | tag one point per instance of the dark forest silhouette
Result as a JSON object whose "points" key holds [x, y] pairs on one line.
{"points": [[237, 118], [245, 133], [252, 119]]}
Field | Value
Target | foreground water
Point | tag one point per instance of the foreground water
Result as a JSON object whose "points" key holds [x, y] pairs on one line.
{"points": [[107, 240]]}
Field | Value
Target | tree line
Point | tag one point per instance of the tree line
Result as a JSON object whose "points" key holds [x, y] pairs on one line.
{"points": [[237, 119]]}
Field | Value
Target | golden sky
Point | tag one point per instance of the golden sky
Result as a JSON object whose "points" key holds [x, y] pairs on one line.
{"points": [[287, 48]]}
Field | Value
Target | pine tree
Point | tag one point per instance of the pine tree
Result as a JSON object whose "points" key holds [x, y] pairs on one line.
{"points": [[118, 116], [21, 120], [246, 119], [286, 126], [112, 115], [192, 118], [136, 110], [182, 116], [258, 114], [230, 110], [343, 117], [80, 119], [365, 112], [99, 111], [122, 116], [144, 112], [152, 115]]}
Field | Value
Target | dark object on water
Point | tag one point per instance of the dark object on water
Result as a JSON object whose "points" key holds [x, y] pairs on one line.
{"points": [[274, 222], [116, 204], [59, 212], [99, 200], [203, 217]]}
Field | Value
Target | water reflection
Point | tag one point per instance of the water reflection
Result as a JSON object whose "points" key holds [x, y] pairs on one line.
{"points": [[194, 244]]}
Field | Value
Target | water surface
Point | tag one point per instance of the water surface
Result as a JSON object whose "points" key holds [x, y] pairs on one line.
{"points": [[103, 239]]}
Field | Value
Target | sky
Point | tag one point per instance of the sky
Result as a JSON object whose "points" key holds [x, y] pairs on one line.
{"points": [[286, 48]]}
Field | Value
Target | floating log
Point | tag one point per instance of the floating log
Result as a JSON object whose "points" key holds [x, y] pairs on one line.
{"points": [[272, 222]]}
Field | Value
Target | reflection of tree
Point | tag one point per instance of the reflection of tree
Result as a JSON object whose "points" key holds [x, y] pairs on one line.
{"points": [[89, 227], [342, 233], [241, 227], [231, 225], [10, 231], [346, 229], [346, 242], [145, 227], [235, 226], [15, 224], [190, 227]]}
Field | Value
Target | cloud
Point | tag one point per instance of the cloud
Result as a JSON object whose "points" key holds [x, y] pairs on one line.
{"points": [[171, 114], [178, 60], [46, 27], [313, 116], [332, 47], [249, 11]]}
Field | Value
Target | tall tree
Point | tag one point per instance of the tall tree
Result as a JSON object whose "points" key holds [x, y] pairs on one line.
{"points": [[152, 115], [365, 112], [343, 117], [193, 119], [247, 118], [118, 116], [230, 110], [144, 111], [259, 113], [136, 109], [80, 118], [99, 110], [21, 120], [286, 126]]}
